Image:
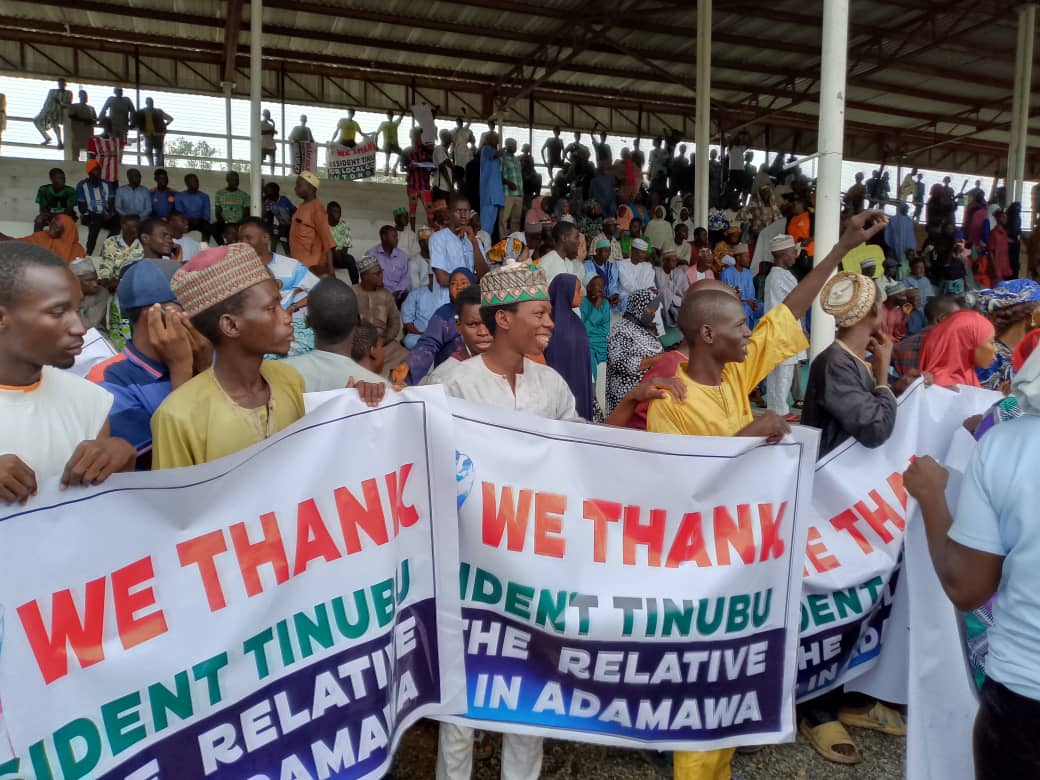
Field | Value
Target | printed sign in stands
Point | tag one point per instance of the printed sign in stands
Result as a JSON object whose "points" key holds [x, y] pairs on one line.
{"points": [[304, 156], [356, 162]]}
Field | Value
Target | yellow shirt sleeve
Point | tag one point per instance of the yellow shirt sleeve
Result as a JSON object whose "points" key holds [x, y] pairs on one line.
{"points": [[777, 337], [171, 442], [664, 416]]}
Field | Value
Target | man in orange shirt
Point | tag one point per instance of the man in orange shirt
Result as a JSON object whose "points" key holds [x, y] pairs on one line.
{"points": [[800, 225], [310, 239]]}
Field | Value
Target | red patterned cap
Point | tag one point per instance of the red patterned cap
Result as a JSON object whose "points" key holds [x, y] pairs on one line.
{"points": [[214, 275]]}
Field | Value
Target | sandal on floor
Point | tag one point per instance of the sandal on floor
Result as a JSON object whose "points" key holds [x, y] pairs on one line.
{"points": [[880, 717], [827, 736], [483, 746]]}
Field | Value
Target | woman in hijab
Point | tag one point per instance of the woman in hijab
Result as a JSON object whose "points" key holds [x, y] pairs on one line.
{"points": [[1012, 308], [957, 346], [568, 350], [537, 214], [441, 337], [659, 231], [632, 346], [595, 315], [58, 236]]}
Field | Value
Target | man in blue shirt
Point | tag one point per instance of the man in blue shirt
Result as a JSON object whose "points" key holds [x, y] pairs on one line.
{"points": [[163, 353], [132, 198], [162, 195], [195, 206], [455, 246], [96, 200]]}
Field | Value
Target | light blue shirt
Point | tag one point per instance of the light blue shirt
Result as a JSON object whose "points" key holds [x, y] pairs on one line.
{"points": [[448, 252], [134, 200], [997, 514], [417, 309], [924, 286]]}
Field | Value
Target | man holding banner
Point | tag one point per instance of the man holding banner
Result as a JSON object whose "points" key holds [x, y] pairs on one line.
{"points": [[727, 361]]}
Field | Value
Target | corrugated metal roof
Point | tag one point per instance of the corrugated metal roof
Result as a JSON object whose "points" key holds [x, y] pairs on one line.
{"points": [[929, 84]]}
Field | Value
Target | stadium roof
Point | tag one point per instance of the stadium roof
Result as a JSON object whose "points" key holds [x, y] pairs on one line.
{"points": [[930, 82]]}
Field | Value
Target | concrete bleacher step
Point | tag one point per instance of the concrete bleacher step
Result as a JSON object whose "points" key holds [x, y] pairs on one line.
{"points": [[366, 205]]}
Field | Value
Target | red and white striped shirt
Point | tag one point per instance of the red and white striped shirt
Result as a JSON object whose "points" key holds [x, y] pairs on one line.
{"points": [[108, 152]]}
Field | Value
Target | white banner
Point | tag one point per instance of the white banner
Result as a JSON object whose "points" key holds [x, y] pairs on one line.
{"points": [[357, 162], [277, 613], [305, 156], [628, 588]]}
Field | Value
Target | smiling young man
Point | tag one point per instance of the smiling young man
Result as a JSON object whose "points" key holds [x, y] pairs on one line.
{"points": [[727, 361], [233, 300], [52, 422]]}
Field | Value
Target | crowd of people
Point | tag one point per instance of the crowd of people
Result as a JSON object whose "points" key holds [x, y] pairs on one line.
{"points": [[601, 302]]}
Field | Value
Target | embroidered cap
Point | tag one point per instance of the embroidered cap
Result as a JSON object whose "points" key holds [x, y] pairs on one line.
{"points": [[311, 179], [513, 283], [216, 274], [848, 297], [781, 242], [366, 264]]}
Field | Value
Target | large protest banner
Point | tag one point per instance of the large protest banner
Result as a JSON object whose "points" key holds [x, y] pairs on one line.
{"points": [[285, 612], [854, 556], [627, 588], [352, 162]]}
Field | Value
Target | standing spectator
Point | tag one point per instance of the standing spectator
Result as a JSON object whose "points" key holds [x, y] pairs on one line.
{"points": [[462, 149], [420, 167], [388, 131], [57, 197], [509, 218], [443, 171], [3, 115], [268, 131], [900, 237], [310, 240], [552, 152], [779, 284], [394, 262], [163, 198], [918, 197], [603, 190], [132, 198], [232, 206], [342, 261], [278, 211], [120, 110], [96, 199], [492, 193], [52, 115], [107, 149], [532, 179], [151, 124], [82, 121], [300, 135], [195, 207], [347, 131]]}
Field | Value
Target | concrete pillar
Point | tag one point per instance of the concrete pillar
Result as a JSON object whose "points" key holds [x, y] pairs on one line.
{"points": [[1019, 141], [256, 13], [227, 85], [830, 143], [702, 127]]}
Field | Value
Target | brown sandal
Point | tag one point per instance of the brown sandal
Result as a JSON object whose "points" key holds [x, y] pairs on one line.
{"points": [[827, 736]]}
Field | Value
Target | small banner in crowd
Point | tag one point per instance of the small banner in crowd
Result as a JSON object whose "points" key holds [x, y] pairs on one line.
{"points": [[626, 588], [352, 162], [304, 156], [288, 611]]}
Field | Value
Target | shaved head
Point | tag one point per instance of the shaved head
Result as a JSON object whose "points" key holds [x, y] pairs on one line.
{"points": [[708, 306]]}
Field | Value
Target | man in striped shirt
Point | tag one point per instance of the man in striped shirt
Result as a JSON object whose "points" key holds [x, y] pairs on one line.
{"points": [[107, 149], [97, 205]]}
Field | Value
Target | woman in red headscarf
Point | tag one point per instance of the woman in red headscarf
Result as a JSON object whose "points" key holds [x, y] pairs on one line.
{"points": [[956, 347]]}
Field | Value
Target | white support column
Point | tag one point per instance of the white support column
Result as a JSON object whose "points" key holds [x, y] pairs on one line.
{"points": [[1020, 104], [830, 143], [228, 86], [702, 126], [256, 13]]}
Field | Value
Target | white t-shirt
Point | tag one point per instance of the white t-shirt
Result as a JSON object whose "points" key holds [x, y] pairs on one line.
{"points": [[323, 370], [462, 138], [440, 156], [44, 423], [189, 247], [540, 390]]}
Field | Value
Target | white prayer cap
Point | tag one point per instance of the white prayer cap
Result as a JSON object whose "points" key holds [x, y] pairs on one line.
{"points": [[729, 260], [781, 242], [638, 243]]}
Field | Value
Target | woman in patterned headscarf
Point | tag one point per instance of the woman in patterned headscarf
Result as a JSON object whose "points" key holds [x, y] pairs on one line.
{"points": [[632, 346], [1012, 308]]}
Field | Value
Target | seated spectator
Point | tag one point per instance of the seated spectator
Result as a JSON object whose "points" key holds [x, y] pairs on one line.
{"points": [[118, 251], [377, 306], [231, 207], [441, 337], [242, 399], [332, 313], [195, 207], [57, 197], [97, 201], [417, 309], [367, 348], [278, 211], [185, 247], [342, 260], [229, 233], [132, 198], [107, 150], [419, 264], [394, 262], [294, 279], [164, 352], [58, 235], [55, 423], [474, 336], [163, 198], [95, 297]]}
